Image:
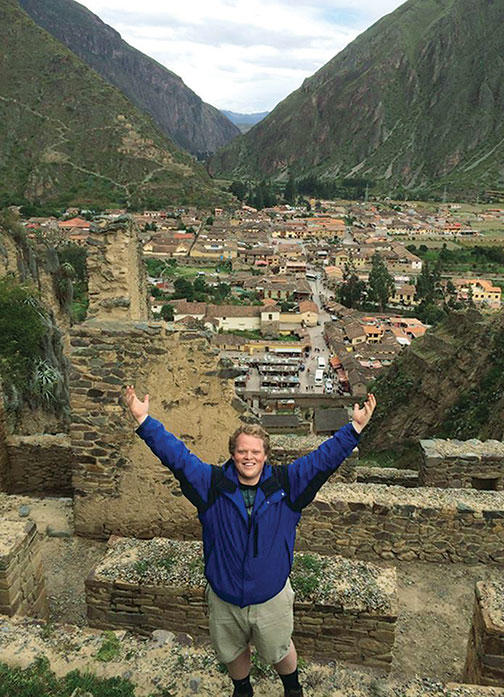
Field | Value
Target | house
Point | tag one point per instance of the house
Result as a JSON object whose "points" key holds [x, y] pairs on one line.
{"points": [[483, 292], [309, 313], [403, 295], [354, 333]]}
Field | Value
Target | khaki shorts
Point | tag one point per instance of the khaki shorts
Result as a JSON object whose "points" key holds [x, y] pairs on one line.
{"points": [[268, 626]]}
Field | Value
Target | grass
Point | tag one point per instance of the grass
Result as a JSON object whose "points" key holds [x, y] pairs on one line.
{"points": [[110, 648], [38, 680], [306, 574]]}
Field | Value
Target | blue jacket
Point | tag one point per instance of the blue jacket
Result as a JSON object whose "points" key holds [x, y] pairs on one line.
{"points": [[248, 559]]}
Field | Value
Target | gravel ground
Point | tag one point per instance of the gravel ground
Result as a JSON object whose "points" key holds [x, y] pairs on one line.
{"points": [[435, 600]]}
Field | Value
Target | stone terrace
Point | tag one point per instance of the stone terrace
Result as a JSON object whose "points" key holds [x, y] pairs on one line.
{"points": [[372, 521], [22, 589], [485, 650], [285, 448], [342, 608], [470, 464]]}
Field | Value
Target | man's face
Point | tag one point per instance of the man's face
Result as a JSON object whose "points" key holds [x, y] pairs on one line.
{"points": [[249, 458]]}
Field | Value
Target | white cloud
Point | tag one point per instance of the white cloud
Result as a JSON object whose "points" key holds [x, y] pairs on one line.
{"points": [[243, 55]]}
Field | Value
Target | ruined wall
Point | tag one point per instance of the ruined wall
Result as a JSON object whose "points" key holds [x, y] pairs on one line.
{"points": [[120, 487], [471, 464], [287, 448], [4, 458], [117, 280], [39, 464], [22, 589], [142, 586], [485, 649], [391, 476], [372, 521]]}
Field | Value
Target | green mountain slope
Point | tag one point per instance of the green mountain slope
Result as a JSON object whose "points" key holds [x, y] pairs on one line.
{"points": [[66, 136], [448, 384], [416, 100], [178, 111]]}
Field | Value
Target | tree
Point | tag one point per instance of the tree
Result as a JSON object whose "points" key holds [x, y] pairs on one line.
{"points": [[167, 312], [183, 289], [290, 190], [428, 286], [239, 189], [351, 292], [381, 283]]}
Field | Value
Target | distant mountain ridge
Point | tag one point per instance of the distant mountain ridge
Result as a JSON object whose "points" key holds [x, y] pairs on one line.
{"points": [[417, 101], [245, 121], [68, 137], [180, 114]]}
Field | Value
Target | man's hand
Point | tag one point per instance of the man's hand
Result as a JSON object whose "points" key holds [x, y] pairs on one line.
{"points": [[361, 417], [139, 410]]}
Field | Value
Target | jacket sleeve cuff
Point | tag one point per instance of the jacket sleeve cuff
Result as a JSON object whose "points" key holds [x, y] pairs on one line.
{"points": [[355, 433], [143, 426]]}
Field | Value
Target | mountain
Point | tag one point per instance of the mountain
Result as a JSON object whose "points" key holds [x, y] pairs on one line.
{"points": [[245, 121], [180, 114], [67, 136], [448, 384], [417, 101]]}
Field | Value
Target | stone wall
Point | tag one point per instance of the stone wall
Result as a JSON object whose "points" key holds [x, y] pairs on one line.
{"points": [[372, 521], [390, 476], [39, 464], [485, 649], [145, 585], [22, 589], [287, 448], [471, 464], [4, 459], [116, 273], [119, 486]]}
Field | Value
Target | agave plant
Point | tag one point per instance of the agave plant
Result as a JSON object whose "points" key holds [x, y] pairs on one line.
{"points": [[46, 378]]}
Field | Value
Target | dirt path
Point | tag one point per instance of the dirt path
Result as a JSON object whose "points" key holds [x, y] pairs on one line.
{"points": [[435, 611]]}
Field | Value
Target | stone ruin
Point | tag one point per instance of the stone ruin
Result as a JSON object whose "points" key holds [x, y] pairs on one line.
{"points": [[455, 464], [485, 650], [148, 585], [455, 514]]}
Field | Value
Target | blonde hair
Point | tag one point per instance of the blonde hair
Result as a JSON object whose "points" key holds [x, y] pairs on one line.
{"points": [[250, 430]]}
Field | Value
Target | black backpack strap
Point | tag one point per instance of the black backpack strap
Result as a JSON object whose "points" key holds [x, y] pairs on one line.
{"points": [[219, 483], [279, 480]]}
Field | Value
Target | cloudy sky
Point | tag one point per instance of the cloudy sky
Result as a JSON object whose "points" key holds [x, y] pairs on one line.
{"points": [[242, 55]]}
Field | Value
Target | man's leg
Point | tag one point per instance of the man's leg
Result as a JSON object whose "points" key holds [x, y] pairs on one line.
{"points": [[272, 631], [240, 667], [287, 670], [288, 664]]}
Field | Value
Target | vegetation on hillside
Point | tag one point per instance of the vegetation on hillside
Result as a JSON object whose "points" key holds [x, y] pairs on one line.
{"points": [[26, 374], [69, 138]]}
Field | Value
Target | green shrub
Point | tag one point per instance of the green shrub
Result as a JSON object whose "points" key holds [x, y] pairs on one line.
{"points": [[22, 327]]}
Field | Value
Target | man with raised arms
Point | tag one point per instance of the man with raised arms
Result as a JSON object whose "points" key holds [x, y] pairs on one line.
{"points": [[249, 511]]}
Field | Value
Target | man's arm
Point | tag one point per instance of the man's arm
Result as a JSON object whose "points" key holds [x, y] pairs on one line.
{"points": [[193, 474], [309, 473]]}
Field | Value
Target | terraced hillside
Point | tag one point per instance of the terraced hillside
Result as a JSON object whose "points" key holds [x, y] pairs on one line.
{"points": [[67, 137]]}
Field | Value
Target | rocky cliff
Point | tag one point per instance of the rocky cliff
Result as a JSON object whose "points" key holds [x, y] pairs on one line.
{"points": [[449, 383], [415, 101], [179, 113]]}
